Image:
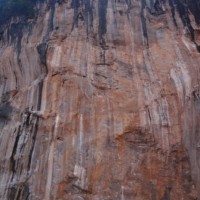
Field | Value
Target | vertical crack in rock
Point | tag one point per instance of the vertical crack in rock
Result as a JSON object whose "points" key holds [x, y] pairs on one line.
{"points": [[40, 89], [50, 161], [143, 23], [12, 158], [35, 127], [42, 51], [35, 130]]}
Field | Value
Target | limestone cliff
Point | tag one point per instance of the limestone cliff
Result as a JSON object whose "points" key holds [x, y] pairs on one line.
{"points": [[100, 100]]}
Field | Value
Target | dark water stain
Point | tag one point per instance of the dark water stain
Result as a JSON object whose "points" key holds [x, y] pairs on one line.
{"points": [[102, 29], [18, 192], [15, 35], [40, 88], [158, 7], [183, 9], [194, 7], [143, 21], [88, 15], [50, 28], [75, 5], [43, 46], [83, 11], [167, 194], [129, 4], [42, 51], [173, 11], [5, 110]]}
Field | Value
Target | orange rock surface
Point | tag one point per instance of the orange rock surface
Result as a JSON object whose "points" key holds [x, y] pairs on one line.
{"points": [[99, 100]]}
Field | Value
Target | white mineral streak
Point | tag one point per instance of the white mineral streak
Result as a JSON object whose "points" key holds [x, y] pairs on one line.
{"points": [[183, 70], [81, 140], [122, 194], [56, 58], [81, 175]]}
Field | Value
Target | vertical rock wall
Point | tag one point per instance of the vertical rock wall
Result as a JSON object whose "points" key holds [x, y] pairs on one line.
{"points": [[100, 100]]}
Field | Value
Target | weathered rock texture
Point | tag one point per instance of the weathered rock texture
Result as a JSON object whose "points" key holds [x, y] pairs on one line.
{"points": [[100, 100]]}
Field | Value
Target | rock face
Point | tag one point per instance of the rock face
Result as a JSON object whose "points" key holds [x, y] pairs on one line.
{"points": [[100, 100]]}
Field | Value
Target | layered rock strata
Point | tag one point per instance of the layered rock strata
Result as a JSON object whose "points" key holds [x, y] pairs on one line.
{"points": [[100, 100]]}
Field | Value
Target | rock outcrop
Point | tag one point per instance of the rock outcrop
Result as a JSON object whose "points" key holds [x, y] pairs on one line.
{"points": [[100, 100]]}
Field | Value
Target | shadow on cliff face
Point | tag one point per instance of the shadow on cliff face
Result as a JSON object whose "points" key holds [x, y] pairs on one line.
{"points": [[5, 113], [19, 192], [5, 110], [194, 7], [184, 9]]}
